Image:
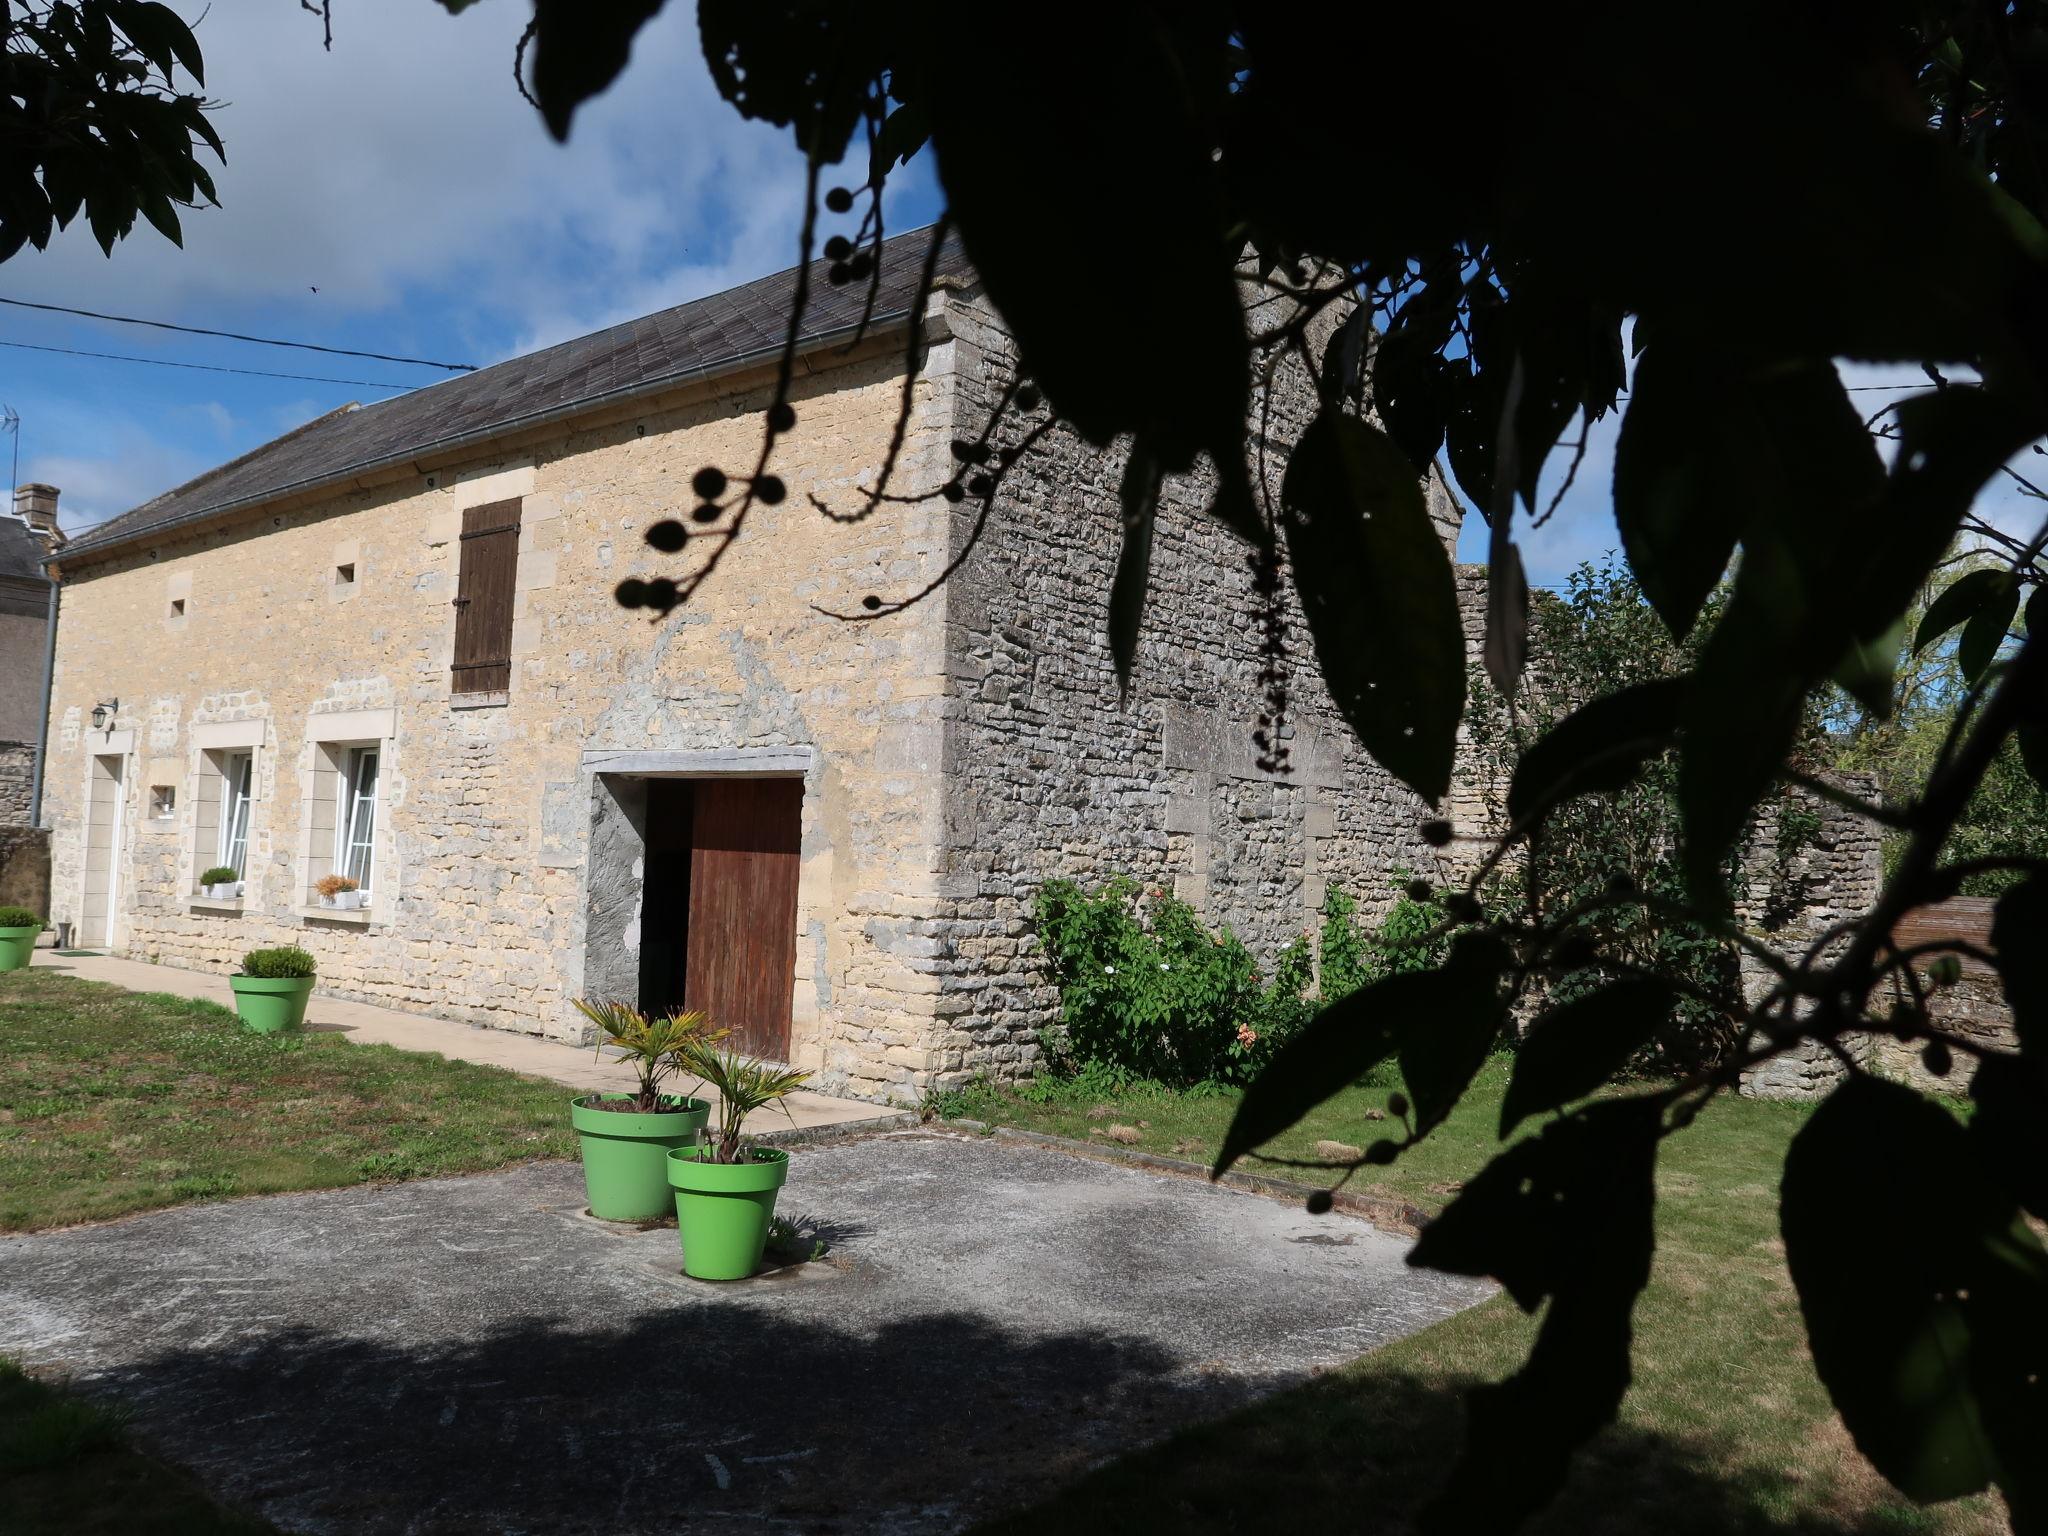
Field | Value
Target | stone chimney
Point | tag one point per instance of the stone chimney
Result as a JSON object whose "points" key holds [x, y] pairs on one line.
{"points": [[36, 505]]}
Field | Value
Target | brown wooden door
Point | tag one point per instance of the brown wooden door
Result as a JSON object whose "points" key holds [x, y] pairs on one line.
{"points": [[484, 584], [741, 966]]}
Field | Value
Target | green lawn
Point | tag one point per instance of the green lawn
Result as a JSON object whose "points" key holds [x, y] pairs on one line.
{"points": [[1726, 1429], [114, 1101]]}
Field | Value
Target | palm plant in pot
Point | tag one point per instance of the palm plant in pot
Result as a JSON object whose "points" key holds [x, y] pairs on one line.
{"points": [[18, 930], [626, 1137], [272, 987], [724, 1188]]}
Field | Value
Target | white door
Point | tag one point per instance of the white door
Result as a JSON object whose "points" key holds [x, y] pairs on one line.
{"points": [[102, 854]]}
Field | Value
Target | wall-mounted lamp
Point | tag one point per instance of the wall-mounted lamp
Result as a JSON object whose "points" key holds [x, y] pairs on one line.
{"points": [[103, 714]]}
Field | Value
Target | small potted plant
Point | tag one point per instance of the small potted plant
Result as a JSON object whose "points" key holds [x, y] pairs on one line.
{"points": [[626, 1137], [18, 930], [337, 891], [724, 1188], [272, 987], [221, 883]]}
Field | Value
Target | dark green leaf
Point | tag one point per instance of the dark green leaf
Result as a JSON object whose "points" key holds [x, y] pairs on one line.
{"points": [[1443, 1049], [1134, 562], [902, 134], [1409, 392], [1869, 669], [1086, 133], [1932, 1348], [1958, 600], [1601, 747], [578, 50], [1567, 1216], [1506, 648], [1836, 565], [1351, 1036], [2019, 943], [1381, 600], [1986, 630], [806, 65], [2010, 1125], [1573, 1050], [1681, 478]]}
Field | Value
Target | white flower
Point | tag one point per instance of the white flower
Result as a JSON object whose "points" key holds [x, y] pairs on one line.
{"points": [[1109, 970], [1164, 966]]}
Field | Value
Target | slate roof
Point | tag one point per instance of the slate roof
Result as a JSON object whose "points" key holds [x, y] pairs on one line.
{"points": [[21, 552], [704, 337]]}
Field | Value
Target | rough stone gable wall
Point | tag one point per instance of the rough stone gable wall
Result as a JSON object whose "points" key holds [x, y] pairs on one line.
{"points": [[1050, 773]]}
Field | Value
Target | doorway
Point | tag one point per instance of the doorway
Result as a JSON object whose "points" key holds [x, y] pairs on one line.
{"points": [[102, 853], [718, 905]]}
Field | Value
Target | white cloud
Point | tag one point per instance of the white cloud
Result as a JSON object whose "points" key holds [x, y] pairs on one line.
{"points": [[405, 162]]}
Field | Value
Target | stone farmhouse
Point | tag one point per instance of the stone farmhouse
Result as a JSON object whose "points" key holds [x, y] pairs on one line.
{"points": [[386, 645]]}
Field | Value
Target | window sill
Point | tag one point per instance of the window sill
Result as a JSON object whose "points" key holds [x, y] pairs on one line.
{"points": [[352, 917], [495, 700], [214, 904]]}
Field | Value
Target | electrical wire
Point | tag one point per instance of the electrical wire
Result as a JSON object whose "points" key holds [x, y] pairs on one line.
{"points": [[266, 341], [164, 362]]}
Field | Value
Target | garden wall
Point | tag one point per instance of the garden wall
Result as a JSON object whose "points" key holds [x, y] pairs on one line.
{"points": [[1808, 865]]}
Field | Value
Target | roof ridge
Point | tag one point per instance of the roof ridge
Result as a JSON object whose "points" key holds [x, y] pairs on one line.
{"points": [[697, 338]]}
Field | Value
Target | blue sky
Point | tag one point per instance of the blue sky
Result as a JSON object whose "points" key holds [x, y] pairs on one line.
{"points": [[403, 178], [397, 196]]}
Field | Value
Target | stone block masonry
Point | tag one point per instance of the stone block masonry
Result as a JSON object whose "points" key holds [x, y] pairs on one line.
{"points": [[1799, 882]]}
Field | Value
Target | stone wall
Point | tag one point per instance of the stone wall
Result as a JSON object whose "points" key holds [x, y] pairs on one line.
{"points": [[1972, 1009], [1795, 888], [17, 783], [1052, 773], [482, 908], [25, 868]]}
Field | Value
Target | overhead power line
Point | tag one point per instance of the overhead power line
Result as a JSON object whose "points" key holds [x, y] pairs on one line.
{"points": [[164, 362], [264, 341]]}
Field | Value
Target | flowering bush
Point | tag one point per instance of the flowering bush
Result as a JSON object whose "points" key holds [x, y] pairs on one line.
{"points": [[1148, 992]]}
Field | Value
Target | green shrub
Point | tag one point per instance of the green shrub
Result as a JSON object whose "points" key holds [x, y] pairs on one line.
{"points": [[277, 964], [1148, 992], [220, 874], [19, 917]]}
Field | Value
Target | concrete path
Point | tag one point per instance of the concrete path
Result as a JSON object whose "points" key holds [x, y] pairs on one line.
{"points": [[474, 1355], [574, 1065]]}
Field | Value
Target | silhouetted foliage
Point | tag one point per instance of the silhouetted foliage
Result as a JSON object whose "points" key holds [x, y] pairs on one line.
{"points": [[92, 119], [1479, 197]]}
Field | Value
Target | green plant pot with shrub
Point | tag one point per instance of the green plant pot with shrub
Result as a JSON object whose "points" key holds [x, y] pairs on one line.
{"points": [[725, 1189], [626, 1137], [723, 1210], [18, 930], [272, 987], [625, 1150]]}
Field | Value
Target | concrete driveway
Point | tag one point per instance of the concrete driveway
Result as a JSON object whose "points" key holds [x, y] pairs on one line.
{"points": [[475, 1355]]}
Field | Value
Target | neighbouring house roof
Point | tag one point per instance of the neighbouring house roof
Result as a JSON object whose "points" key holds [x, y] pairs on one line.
{"points": [[21, 552], [705, 337]]}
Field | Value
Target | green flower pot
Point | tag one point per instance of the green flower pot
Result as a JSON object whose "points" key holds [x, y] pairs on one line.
{"points": [[723, 1210], [16, 946], [268, 1004], [624, 1153]]}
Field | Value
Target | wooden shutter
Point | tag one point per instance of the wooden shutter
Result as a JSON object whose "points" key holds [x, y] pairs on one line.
{"points": [[483, 599]]}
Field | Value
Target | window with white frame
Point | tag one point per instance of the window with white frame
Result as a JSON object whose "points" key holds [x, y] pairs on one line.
{"points": [[237, 774], [355, 828]]}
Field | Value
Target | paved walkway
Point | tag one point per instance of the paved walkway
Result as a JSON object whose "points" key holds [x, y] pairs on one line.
{"points": [[472, 1355], [578, 1067]]}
